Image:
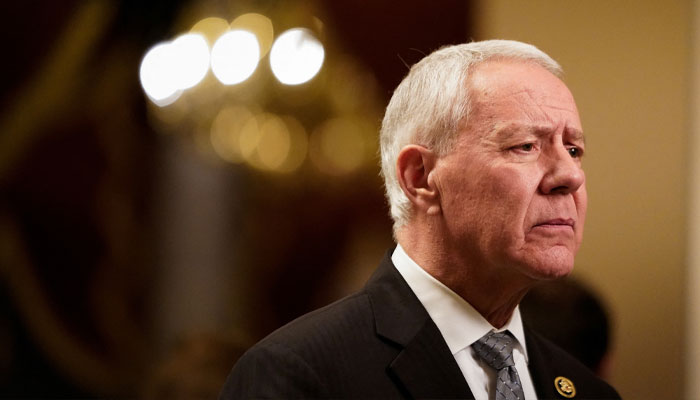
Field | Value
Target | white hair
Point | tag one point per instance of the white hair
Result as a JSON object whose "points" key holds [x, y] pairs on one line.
{"points": [[433, 102]]}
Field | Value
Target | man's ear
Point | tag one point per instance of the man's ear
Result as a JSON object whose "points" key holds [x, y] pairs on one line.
{"points": [[414, 167]]}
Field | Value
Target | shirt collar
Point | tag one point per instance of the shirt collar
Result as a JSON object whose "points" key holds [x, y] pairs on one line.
{"points": [[459, 323]]}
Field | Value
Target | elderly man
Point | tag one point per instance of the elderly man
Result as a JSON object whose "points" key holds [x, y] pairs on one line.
{"points": [[481, 154]]}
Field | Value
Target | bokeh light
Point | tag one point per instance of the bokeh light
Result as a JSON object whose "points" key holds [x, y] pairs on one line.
{"points": [[265, 141], [296, 56], [243, 132], [211, 28], [235, 56], [158, 79], [299, 145], [338, 146], [191, 63], [260, 26], [226, 132], [274, 142]]}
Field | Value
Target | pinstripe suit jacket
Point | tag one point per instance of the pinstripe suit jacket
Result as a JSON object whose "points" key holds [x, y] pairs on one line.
{"points": [[380, 343]]}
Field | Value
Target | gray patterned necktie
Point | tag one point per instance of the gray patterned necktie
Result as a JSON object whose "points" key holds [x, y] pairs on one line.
{"points": [[496, 349]]}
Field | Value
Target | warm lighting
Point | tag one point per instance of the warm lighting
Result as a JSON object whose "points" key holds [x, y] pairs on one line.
{"points": [[270, 142], [235, 56], [274, 142], [211, 28], [296, 56], [158, 77], [299, 145], [191, 63], [168, 68], [226, 132], [260, 26], [338, 146], [249, 138]]}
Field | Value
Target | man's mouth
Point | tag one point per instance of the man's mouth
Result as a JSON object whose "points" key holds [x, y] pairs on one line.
{"points": [[556, 223]]}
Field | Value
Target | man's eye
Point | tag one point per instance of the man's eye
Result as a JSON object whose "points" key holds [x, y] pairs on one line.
{"points": [[575, 152], [526, 147]]}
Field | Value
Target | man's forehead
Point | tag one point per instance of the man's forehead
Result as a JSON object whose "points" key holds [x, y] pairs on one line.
{"points": [[538, 104], [525, 115], [524, 95], [516, 78], [503, 68], [552, 94]]}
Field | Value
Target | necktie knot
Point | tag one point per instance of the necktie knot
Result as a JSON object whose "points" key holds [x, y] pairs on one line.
{"points": [[496, 349]]}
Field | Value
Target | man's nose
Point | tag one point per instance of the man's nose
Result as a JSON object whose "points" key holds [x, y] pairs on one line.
{"points": [[563, 173]]}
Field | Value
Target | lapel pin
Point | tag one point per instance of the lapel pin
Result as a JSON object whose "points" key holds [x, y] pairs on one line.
{"points": [[564, 387]]}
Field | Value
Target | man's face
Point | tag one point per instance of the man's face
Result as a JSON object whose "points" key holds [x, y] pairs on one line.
{"points": [[512, 191]]}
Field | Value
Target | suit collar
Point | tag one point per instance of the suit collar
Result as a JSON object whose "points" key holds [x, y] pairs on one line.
{"points": [[424, 366], [539, 365], [398, 313], [460, 324]]}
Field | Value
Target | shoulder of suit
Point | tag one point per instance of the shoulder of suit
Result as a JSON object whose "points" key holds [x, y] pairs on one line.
{"points": [[339, 318]]}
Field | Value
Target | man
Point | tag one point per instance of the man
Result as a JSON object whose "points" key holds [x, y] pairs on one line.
{"points": [[481, 154]]}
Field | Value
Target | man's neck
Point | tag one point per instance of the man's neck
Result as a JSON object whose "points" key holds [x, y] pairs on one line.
{"points": [[493, 292]]}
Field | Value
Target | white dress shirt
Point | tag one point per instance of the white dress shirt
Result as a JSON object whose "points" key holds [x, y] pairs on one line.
{"points": [[461, 325]]}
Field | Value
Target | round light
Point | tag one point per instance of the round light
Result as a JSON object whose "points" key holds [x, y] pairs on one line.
{"points": [[235, 56], [211, 28], [259, 25], [296, 56], [226, 131], [299, 143], [158, 79], [191, 63]]}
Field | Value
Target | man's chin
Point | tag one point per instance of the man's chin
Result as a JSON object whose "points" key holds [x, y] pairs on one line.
{"points": [[547, 274], [554, 265]]}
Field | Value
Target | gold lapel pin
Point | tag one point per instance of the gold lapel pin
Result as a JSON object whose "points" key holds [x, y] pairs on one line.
{"points": [[565, 387]]}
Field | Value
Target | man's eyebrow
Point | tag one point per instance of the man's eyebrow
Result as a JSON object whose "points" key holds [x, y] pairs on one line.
{"points": [[506, 131], [576, 135]]}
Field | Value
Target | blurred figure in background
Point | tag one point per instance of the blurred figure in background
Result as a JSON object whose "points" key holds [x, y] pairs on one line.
{"points": [[570, 314]]}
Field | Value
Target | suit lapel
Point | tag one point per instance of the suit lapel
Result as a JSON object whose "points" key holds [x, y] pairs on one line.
{"points": [[540, 367], [424, 366]]}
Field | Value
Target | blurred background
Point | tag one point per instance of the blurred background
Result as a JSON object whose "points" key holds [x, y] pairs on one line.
{"points": [[164, 204]]}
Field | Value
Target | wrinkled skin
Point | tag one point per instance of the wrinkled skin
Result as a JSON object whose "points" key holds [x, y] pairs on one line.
{"points": [[512, 192]]}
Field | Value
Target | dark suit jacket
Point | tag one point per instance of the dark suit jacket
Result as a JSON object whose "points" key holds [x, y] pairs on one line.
{"points": [[380, 343]]}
